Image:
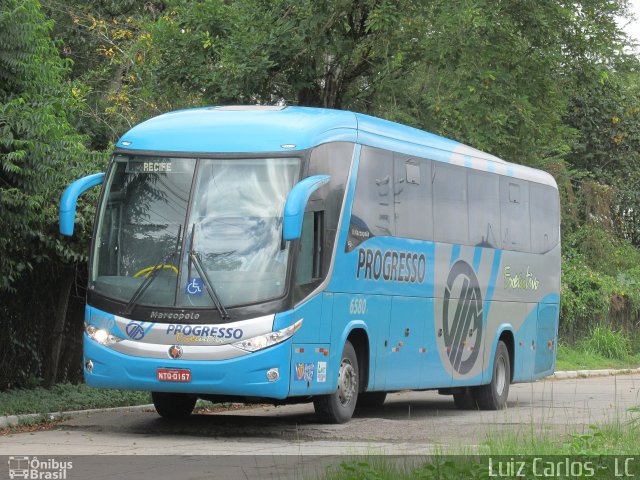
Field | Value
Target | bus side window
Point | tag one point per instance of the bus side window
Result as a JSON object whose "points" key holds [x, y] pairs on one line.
{"points": [[373, 209], [514, 214], [450, 211], [412, 197], [484, 209], [545, 212]]}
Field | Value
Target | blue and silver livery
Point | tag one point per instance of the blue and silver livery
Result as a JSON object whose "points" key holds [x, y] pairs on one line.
{"points": [[281, 254]]}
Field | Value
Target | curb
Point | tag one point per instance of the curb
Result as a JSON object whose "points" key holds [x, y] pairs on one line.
{"points": [[592, 373], [14, 420]]}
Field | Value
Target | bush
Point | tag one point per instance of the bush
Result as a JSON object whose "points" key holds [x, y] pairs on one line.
{"points": [[584, 296], [592, 297], [607, 343]]}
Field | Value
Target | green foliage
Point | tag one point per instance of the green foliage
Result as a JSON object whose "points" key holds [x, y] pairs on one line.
{"points": [[607, 343], [305, 52], [441, 468], [606, 114], [39, 149], [600, 280], [584, 294], [598, 444], [66, 397], [501, 92], [575, 357], [620, 437], [546, 84]]}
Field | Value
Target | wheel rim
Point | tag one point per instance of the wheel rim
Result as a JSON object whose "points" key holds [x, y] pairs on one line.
{"points": [[501, 375], [347, 382]]}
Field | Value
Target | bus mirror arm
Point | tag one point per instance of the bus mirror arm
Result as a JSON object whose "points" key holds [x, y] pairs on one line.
{"points": [[296, 203], [69, 201]]}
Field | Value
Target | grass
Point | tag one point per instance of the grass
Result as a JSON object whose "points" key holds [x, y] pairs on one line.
{"points": [[597, 446], [602, 348], [67, 397], [616, 438], [576, 358]]}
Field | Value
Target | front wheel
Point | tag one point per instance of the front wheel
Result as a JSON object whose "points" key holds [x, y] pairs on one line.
{"points": [[173, 405], [338, 407], [494, 395]]}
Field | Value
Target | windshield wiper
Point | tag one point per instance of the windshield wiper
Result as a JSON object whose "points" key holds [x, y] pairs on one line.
{"points": [[194, 258], [152, 276]]}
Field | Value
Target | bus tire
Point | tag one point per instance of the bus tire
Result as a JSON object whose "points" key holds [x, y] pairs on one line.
{"points": [[173, 405], [371, 399], [338, 407], [494, 395], [465, 400]]}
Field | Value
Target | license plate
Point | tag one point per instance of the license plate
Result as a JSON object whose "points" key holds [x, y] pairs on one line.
{"points": [[174, 375]]}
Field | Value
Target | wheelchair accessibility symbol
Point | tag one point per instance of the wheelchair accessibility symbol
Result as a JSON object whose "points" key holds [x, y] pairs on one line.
{"points": [[195, 287]]}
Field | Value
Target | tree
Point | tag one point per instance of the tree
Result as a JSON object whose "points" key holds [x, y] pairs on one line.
{"points": [[40, 153], [307, 53], [106, 40], [39, 150]]}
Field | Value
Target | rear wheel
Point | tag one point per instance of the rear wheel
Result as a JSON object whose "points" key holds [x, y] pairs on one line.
{"points": [[173, 405], [494, 395], [338, 407]]}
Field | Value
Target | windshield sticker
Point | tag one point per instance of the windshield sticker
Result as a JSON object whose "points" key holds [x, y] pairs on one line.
{"points": [[304, 372], [195, 287], [203, 331], [391, 266]]}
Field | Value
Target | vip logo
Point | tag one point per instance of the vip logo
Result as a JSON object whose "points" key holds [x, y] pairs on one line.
{"points": [[462, 317], [135, 331]]}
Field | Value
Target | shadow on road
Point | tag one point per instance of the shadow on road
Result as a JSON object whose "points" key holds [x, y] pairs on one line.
{"points": [[292, 422]]}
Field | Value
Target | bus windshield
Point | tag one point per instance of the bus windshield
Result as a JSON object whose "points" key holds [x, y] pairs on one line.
{"points": [[152, 223]]}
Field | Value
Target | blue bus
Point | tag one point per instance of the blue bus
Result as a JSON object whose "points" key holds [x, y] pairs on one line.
{"points": [[287, 254]]}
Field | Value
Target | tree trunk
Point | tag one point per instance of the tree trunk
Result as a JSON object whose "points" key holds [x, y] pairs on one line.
{"points": [[57, 334]]}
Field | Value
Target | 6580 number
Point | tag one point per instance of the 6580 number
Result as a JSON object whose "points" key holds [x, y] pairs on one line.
{"points": [[358, 306]]}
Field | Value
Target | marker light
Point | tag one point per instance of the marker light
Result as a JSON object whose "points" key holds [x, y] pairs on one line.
{"points": [[100, 335], [268, 339]]}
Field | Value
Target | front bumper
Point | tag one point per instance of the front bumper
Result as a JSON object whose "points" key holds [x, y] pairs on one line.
{"points": [[242, 376]]}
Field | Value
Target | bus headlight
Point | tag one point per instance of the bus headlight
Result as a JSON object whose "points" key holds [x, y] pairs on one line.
{"points": [[100, 335], [267, 340]]}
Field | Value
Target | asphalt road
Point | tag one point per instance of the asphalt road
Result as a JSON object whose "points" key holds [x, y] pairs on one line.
{"points": [[284, 438]]}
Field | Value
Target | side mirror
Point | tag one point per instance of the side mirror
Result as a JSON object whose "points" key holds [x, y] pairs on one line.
{"points": [[69, 201], [296, 203]]}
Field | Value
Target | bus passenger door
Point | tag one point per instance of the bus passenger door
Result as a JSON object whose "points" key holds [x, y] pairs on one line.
{"points": [[405, 345]]}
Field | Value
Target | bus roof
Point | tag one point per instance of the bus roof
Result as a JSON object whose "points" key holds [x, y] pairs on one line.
{"points": [[235, 129]]}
